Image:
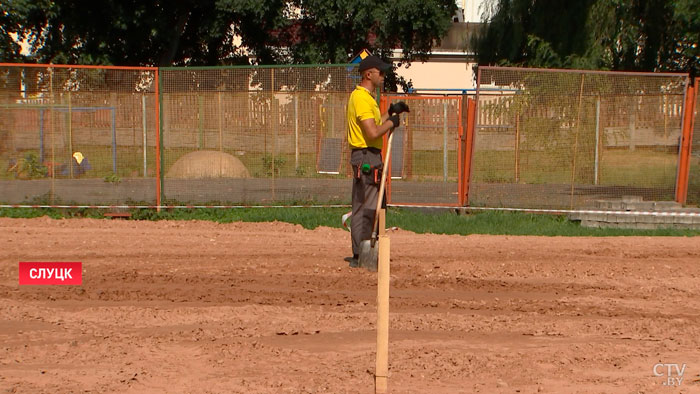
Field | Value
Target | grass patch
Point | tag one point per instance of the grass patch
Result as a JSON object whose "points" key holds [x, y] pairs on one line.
{"points": [[491, 222], [618, 167], [54, 213], [511, 223]]}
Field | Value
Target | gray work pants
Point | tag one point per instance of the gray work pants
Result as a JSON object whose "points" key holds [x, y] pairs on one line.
{"points": [[365, 190]]}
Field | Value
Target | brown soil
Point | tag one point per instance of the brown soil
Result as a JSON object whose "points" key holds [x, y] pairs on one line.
{"points": [[200, 307]]}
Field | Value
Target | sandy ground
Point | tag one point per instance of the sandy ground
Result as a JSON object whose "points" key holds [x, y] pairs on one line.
{"points": [[199, 307]]}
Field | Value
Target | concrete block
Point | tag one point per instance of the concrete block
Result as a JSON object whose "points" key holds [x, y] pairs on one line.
{"points": [[683, 210], [627, 199], [590, 223], [575, 216], [666, 205], [665, 220], [685, 220], [617, 205], [670, 220], [645, 226], [597, 224], [609, 204], [622, 218], [603, 204], [638, 221], [599, 217], [648, 219], [638, 206]]}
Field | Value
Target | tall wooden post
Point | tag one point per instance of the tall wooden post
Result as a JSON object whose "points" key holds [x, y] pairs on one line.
{"points": [[381, 375]]}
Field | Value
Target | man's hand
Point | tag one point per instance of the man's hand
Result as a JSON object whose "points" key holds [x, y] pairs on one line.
{"points": [[397, 108], [395, 120]]}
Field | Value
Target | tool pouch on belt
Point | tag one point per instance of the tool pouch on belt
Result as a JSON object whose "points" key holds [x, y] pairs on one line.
{"points": [[370, 174]]}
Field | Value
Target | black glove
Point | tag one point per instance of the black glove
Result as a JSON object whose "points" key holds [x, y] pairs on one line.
{"points": [[397, 108], [395, 120]]}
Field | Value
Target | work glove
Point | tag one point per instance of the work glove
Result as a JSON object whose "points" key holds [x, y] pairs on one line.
{"points": [[395, 120], [397, 108]]}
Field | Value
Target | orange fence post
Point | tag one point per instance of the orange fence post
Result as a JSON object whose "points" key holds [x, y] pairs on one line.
{"points": [[686, 144], [460, 153], [469, 149]]}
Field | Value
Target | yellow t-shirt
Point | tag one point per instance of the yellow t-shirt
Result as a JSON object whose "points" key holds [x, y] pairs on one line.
{"points": [[361, 106]]}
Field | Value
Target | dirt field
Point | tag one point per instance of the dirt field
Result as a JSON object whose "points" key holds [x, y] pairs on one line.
{"points": [[199, 307]]}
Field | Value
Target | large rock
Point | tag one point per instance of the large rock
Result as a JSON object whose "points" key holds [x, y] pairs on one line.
{"points": [[207, 164]]}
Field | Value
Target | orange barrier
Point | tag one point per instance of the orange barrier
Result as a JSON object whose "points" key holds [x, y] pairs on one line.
{"points": [[686, 145]]}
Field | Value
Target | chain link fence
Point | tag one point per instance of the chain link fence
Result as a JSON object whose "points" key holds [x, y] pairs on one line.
{"points": [[269, 135], [77, 135], [563, 139], [425, 164], [255, 134]]}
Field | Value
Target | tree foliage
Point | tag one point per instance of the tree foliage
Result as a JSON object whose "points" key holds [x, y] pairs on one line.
{"points": [[634, 35], [192, 32], [9, 49]]}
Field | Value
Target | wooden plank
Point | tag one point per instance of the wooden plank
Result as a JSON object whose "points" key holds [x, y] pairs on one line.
{"points": [[381, 375]]}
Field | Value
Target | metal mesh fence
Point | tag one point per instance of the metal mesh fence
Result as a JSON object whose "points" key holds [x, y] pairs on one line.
{"points": [[255, 134], [563, 139], [425, 153], [77, 135], [266, 135], [694, 176]]}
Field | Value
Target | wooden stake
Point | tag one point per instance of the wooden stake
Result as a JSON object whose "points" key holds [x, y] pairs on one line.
{"points": [[382, 222], [381, 375]]}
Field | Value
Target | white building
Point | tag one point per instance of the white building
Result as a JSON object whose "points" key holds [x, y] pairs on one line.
{"points": [[449, 67]]}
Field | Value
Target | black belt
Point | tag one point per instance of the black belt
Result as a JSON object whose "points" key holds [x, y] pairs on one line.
{"points": [[369, 149]]}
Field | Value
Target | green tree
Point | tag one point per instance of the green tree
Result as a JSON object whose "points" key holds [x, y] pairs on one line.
{"points": [[328, 31], [9, 24], [192, 32], [634, 35], [686, 14], [128, 32], [533, 32]]}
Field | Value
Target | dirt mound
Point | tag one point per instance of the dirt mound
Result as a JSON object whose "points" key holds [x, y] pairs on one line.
{"points": [[208, 164]]}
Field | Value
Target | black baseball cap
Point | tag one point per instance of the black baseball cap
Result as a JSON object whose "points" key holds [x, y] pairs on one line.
{"points": [[373, 62]]}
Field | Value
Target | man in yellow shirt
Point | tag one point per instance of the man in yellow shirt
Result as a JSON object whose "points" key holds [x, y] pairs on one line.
{"points": [[365, 128]]}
